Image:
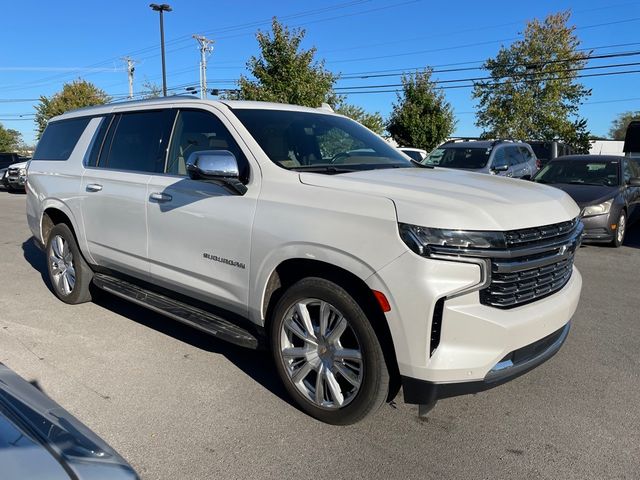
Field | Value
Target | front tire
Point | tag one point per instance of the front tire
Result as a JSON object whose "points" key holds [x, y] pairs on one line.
{"points": [[621, 230], [69, 274], [327, 353]]}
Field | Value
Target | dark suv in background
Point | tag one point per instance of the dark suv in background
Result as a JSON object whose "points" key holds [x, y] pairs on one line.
{"points": [[547, 151], [506, 158]]}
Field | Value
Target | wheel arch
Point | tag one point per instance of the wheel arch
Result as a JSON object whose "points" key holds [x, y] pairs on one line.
{"points": [[292, 270], [55, 212]]}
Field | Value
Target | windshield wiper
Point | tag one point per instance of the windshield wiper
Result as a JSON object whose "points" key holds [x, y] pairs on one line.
{"points": [[323, 169], [575, 182], [420, 164]]}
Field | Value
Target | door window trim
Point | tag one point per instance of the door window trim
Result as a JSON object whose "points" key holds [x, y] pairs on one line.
{"points": [[230, 130], [107, 141]]}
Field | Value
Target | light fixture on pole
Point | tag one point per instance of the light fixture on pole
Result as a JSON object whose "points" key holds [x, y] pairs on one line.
{"points": [[162, 8]]}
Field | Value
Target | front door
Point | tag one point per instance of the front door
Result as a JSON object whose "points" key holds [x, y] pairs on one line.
{"points": [[200, 232]]}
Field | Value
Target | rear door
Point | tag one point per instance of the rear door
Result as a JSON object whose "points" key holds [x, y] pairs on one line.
{"points": [[200, 232], [631, 169], [128, 150]]}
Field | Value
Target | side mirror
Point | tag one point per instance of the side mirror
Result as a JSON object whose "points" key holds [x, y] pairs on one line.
{"points": [[500, 168], [634, 182], [216, 166]]}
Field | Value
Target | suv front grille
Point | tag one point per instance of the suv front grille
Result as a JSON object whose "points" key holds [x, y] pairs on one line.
{"points": [[538, 262], [529, 236]]}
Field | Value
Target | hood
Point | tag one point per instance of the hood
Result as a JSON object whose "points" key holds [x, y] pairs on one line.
{"points": [[19, 165], [588, 194], [455, 199]]}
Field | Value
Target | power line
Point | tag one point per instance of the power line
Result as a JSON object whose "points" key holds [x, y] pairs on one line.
{"points": [[496, 84], [514, 75], [57, 77], [463, 69], [418, 52]]}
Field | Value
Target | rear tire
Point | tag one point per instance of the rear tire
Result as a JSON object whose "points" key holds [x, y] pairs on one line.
{"points": [[327, 353], [621, 230], [69, 274]]}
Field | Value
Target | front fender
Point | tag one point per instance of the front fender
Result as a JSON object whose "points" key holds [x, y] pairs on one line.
{"points": [[304, 251]]}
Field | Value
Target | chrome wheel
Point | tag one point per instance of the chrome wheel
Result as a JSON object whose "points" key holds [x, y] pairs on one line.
{"points": [[321, 354], [62, 270], [622, 224]]}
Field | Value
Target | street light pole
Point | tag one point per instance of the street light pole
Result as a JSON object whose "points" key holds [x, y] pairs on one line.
{"points": [[162, 8]]}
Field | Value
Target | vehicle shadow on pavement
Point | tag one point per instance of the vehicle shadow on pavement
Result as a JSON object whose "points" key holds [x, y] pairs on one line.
{"points": [[632, 238], [257, 364], [36, 258]]}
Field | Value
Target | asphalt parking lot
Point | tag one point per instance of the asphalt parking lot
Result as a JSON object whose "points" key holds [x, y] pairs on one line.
{"points": [[178, 404]]}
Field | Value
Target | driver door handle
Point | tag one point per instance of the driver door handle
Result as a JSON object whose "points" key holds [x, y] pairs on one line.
{"points": [[94, 187], [160, 197]]}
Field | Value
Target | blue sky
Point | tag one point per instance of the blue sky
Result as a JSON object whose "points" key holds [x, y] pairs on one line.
{"points": [[45, 44]]}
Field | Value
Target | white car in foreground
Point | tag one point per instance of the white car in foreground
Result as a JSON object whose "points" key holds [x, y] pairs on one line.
{"points": [[299, 229]]}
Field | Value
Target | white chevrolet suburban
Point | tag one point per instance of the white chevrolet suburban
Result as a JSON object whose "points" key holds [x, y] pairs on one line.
{"points": [[301, 230]]}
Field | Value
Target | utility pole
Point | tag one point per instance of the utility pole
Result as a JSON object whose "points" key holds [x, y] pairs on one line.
{"points": [[205, 47], [130, 70]]}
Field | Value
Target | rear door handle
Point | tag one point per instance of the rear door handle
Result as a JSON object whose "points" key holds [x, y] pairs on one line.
{"points": [[160, 197], [94, 187]]}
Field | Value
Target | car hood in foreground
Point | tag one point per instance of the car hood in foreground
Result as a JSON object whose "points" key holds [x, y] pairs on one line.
{"points": [[39, 439], [587, 194], [446, 198]]}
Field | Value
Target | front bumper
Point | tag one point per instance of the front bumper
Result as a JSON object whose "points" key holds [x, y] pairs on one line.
{"points": [[15, 181], [473, 337], [598, 228], [513, 365]]}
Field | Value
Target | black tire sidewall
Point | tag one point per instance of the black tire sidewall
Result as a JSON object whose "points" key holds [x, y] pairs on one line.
{"points": [[375, 382], [80, 292], [616, 242]]}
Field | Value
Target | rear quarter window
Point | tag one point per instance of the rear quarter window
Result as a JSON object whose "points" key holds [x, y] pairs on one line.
{"points": [[60, 138]]}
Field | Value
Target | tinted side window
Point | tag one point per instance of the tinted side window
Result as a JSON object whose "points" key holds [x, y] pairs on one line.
{"points": [[499, 158], [526, 154], [60, 138], [138, 142], [98, 141], [197, 130], [626, 171], [635, 167], [513, 155]]}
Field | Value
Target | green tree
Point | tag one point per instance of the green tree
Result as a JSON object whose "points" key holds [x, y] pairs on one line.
{"points": [[619, 126], [10, 140], [533, 92], [76, 94], [373, 121], [286, 73], [151, 90], [421, 116]]}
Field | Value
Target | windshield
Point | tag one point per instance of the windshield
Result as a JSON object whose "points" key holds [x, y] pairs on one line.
{"points": [[459, 157], [318, 142], [413, 154], [580, 172]]}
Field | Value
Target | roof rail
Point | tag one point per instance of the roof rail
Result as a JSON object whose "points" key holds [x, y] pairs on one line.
{"points": [[460, 139], [154, 99]]}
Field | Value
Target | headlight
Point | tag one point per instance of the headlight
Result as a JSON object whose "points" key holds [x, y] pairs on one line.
{"points": [[427, 241], [599, 209], [22, 171]]}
